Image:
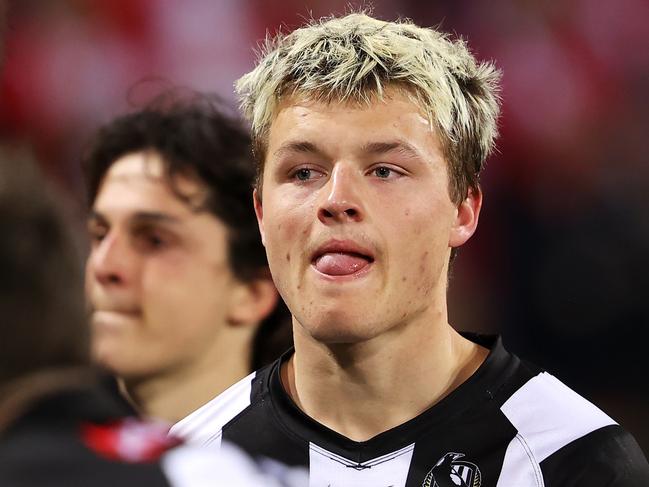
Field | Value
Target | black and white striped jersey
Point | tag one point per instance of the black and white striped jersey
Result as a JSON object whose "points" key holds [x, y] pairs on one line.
{"points": [[509, 425]]}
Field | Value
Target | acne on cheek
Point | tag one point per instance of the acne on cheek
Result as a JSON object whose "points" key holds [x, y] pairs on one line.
{"points": [[416, 227], [421, 282], [427, 284], [422, 266]]}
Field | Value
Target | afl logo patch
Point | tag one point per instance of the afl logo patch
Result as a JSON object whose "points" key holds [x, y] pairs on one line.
{"points": [[450, 471]]}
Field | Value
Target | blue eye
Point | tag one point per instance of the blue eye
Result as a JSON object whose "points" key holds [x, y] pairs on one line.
{"points": [[303, 174], [382, 172]]}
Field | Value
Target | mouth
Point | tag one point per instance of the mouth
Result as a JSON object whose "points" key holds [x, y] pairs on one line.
{"points": [[111, 318], [342, 258]]}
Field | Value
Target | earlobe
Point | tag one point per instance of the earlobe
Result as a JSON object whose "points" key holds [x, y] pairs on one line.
{"points": [[466, 219], [259, 212]]}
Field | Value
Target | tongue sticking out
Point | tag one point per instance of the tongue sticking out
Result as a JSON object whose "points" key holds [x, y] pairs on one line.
{"points": [[339, 264]]}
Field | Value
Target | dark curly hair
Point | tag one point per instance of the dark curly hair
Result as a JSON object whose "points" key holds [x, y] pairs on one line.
{"points": [[194, 136]]}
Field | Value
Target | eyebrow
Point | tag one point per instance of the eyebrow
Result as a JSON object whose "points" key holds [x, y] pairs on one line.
{"points": [[399, 146], [374, 148], [298, 146], [139, 217]]}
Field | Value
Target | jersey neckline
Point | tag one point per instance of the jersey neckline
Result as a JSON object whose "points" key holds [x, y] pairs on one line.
{"points": [[479, 388]]}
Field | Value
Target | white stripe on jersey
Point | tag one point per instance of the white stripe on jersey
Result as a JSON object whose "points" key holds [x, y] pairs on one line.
{"points": [[326, 469], [547, 415], [520, 468], [227, 466], [204, 425]]}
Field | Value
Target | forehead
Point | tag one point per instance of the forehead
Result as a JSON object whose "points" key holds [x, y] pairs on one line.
{"points": [[140, 181], [339, 125], [394, 107]]}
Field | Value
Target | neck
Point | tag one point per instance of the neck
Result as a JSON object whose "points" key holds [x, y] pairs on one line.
{"points": [[362, 389], [173, 394]]}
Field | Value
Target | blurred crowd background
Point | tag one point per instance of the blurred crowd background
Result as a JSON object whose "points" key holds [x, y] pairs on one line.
{"points": [[559, 264]]}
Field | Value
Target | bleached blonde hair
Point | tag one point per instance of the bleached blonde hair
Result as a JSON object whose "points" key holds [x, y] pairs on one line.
{"points": [[355, 57]]}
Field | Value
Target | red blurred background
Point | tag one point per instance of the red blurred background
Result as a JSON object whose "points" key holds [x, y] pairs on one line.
{"points": [[559, 263]]}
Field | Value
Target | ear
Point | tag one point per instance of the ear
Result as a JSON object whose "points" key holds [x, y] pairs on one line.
{"points": [[259, 211], [466, 218], [252, 301]]}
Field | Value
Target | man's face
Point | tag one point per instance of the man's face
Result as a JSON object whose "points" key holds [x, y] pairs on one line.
{"points": [[157, 276], [356, 216]]}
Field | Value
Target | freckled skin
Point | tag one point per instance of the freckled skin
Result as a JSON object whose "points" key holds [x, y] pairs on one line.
{"points": [[411, 247]]}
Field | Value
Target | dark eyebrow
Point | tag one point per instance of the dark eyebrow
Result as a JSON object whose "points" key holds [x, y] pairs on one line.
{"points": [[400, 146], [300, 147], [139, 217]]}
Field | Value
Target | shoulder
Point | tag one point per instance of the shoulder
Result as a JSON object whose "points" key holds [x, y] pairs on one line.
{"points": [[549, 414], [205, 425], [608, 457], [561, 435]]}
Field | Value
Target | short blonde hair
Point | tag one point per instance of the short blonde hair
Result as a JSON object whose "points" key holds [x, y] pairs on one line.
{"points": [[355, 57]]}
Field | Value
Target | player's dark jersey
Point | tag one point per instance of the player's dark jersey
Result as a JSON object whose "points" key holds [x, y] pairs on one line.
{"points": [[80, 435], [509, 425], [85, 435]]}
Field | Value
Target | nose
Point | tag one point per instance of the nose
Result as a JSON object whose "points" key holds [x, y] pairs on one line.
{"points": [[108, 261], [342, 201]]}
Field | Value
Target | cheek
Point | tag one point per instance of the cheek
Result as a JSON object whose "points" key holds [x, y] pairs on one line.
{"points": [[286, 226], [419, 240], [192, 299], [166, 284]]}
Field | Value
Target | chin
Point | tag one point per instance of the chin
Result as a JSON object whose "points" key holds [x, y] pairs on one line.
{"points": [[109, 356], [106, 360]]}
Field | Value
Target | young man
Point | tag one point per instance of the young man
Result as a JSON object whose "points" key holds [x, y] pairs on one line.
{"points": [[177, 277], [370, 138]]}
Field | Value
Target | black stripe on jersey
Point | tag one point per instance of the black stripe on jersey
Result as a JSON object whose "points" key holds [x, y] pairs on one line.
{"points": [[614, 459], [258, 433]]}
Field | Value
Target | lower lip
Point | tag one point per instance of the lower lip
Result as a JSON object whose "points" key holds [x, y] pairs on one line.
{"points": [[345, 277], [113, 319]]}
